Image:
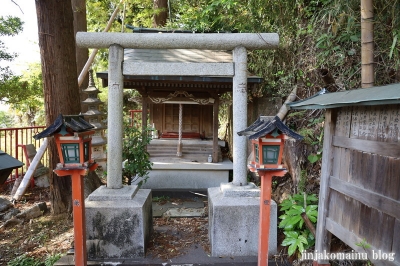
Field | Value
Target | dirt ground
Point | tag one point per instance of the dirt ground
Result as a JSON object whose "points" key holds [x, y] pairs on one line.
{"points": [[49, 235], [39, 237]]}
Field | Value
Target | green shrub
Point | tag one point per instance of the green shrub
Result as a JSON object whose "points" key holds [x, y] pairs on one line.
{"points": [[134, 153], [24, 260], [51, 259], [297, 236]]}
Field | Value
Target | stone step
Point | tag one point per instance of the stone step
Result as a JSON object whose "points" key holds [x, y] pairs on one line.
{"points": [[188, 147]]}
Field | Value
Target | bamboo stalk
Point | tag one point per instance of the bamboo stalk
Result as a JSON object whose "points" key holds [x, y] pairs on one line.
{"points": [[367, 43], [284, 109], [89, 62]]}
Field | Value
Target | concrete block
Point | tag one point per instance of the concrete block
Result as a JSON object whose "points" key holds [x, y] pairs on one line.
{"points": [[185, 179], [181, 174], [118, 228], [249, 190], [234, 225], [110, 194]]}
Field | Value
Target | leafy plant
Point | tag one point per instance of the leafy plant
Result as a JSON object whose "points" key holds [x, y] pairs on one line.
{"points": [[161, 198], [294, 241], [363, 244], [312, 158], [50, 260], [24, 260], [134, 153], [297, 236]]}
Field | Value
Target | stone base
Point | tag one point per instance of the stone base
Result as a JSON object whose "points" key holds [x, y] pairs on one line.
{"points": [[42, 181], [172, 173], [234, 225], [118, 222]]}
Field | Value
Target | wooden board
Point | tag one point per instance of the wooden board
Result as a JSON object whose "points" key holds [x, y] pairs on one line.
{"points": [[394, 123], [383, 148], [364, 231], [351, 239], [396, 239], [364, 188], [370, 198], [323, 238], [355, 121]]}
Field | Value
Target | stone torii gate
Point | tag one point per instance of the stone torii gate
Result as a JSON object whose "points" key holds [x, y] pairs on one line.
{"points": [[116, 42]]}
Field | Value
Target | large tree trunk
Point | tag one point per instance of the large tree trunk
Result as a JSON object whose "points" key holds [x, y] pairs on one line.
{"points": [[57, 50], [82, 54], [92, 181], [161, 15]]}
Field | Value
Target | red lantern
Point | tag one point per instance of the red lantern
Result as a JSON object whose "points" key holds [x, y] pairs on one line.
{"points": [[73, 138], [267, 138]]}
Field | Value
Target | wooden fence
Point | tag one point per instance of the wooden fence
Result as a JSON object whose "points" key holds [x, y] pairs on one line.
{"points": [[360, 181], [12, 141]]}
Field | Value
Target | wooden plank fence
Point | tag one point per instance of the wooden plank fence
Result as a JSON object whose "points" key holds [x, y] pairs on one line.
{"points": [[360, 180]]}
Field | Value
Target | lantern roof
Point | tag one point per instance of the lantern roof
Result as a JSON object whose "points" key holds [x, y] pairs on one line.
{"points": [[9, 162], [64, 125], [267, 124]]}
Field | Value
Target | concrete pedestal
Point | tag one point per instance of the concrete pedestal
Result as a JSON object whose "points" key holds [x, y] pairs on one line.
{"points": [[234, 224], [118, 222], [172, 173]]}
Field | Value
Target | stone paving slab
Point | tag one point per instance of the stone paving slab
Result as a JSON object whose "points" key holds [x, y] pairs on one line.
{"points": [[185, 212], [179, 209]]}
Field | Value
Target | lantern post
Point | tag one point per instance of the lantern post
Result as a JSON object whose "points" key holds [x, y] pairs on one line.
{"points": [[73, 140], [267, 140]]}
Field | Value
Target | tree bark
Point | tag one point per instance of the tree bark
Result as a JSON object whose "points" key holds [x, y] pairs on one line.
{"points": [[57, 50], [82, 54], [161, 15], [92, 181]]}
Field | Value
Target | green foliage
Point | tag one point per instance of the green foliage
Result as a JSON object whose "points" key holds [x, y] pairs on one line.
{"points": [[24, 260], [364, 244], [51, 259], [9, 26], [161, 198], [294, 241], [27, 99], [301, 186], [23, 93], [297, 236], [6, 120], [134, 153]]}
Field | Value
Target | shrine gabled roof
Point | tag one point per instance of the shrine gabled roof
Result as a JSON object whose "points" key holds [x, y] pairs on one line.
{"points": [[179, 56], [74, 123], [381, 95], [265, 125]]}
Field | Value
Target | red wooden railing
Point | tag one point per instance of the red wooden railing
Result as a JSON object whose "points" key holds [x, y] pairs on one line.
{"points": [[12, 141], [136, 118]]}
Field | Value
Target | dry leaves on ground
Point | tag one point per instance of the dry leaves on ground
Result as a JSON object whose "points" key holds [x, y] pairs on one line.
{"points": [[172, 237]]}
